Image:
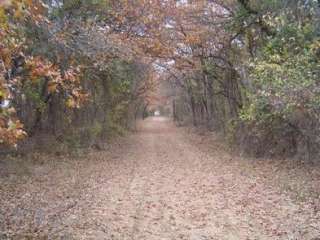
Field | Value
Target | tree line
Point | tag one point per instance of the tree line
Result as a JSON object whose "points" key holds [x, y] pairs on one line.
{"points": [[249, 68], [66, 74]]}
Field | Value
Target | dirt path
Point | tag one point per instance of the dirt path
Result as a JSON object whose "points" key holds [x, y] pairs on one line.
{"points": [[160, 185]]}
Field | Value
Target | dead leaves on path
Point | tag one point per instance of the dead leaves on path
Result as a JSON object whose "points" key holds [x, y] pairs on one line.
{"points": [[158, 186]]}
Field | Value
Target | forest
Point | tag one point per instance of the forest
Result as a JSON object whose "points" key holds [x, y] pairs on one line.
{"points": [[83, 79], [77, 71]]}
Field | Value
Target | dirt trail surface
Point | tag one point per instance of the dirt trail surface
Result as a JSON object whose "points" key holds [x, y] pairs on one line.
{"points": [[162, 183]]}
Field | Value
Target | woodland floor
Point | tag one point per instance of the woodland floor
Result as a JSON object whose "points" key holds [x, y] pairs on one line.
{"points": [[161, 183]]}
